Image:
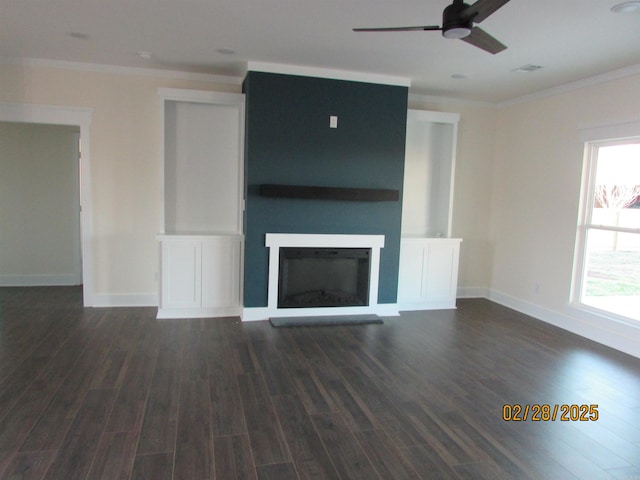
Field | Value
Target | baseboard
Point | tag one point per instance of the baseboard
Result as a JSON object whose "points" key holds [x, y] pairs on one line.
{"points": [[38, 280], [472, 292], [613, 333], [125, 300], [433, 305], [215, 312], [252, 314]]}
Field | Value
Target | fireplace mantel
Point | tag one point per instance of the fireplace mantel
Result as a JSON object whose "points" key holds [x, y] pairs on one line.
{"points": [[275, 241]]}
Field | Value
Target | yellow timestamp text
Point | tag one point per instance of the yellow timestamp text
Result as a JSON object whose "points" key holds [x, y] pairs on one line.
{"points": [[544, 412]]}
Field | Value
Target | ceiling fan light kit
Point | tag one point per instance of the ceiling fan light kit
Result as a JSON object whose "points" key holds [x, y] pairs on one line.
{"points": [[456, 32], [458, 23]]}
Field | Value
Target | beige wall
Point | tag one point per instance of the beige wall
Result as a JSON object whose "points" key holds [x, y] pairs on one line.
{"points": [[536, 191], [125, 165], [39, 205]]}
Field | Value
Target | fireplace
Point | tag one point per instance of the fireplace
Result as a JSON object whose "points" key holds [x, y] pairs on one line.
{"points": [[361, 249], [323, 277]]}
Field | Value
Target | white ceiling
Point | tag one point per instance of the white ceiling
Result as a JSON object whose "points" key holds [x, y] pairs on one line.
{"points": [[571, 39]]}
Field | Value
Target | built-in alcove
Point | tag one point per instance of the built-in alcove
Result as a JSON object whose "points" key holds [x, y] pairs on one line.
{"points": [[428, 272], [201, 232]]}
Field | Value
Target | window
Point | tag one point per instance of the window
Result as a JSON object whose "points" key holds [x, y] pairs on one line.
{"points": [[607, 273]]}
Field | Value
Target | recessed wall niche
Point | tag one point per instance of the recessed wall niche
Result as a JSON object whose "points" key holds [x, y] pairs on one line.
{"points": [[202, 166]]}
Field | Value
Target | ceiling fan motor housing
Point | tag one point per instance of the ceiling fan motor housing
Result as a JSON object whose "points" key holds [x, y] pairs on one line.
{"points": [[454, 24]]}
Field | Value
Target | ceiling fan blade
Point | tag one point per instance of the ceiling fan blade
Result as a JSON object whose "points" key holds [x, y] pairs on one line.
{"points": [[482, 9], [399, 29], [481, 39]]}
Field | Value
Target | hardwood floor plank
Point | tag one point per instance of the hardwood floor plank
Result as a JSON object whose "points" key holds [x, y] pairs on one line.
{"points": [[434, 432], [32, 340], [311, 392], [265, 433], [428, 464], [158, 433], [111, 373], [244, 359], [278, 471], [52, 425], [486, 470], [345, 452], [361, 383], [307, 450], [601, 454], [630, 473], [28, 466], [226, 405], [193, 351], [79, 446], [573, 459], [63, 345], [388, 460], [233, 459], [20, 419], [273, 369], [194, 441], [157, 466], [115, 457], [481, 443], [128, 410], [353, 408]]}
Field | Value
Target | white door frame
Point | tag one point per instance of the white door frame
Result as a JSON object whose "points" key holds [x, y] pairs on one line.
{"points": [[77, 116]]}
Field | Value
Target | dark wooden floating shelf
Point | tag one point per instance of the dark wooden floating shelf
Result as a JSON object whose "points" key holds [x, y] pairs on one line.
{"points": [[330, 193]]}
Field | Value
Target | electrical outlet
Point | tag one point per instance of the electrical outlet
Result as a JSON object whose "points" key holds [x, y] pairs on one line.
{"points": [[333, 121]]}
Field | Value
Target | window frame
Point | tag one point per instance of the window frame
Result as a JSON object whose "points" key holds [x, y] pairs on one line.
{"points": [[585, 223]]}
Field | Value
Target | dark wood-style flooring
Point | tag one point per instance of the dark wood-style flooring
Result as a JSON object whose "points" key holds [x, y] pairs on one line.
{"points": [[116, 394]]}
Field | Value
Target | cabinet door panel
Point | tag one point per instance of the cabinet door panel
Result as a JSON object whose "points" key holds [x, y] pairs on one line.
{"points": [[440, 271], [410, 281], [181, 274], [220, 272]]}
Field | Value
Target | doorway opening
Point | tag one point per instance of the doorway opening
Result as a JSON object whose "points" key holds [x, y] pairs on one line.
{"points": [[47, 234]]}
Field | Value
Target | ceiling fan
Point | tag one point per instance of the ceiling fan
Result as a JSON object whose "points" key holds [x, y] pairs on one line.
{"points": [[457, 22]]}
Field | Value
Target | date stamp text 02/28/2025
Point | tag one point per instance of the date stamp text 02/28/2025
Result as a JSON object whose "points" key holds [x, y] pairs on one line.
{"points": [[544, 413]]}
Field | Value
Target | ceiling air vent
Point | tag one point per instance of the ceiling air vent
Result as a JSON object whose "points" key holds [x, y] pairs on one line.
{"points": [[527, 68]]}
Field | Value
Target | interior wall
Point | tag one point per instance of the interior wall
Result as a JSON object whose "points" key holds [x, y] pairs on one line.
{"points": [[536, 193], [39, 205], [125, 165], [288, 141]]}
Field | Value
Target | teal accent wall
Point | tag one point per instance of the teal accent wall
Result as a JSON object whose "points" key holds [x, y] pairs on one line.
{"points": [[288, 141]]}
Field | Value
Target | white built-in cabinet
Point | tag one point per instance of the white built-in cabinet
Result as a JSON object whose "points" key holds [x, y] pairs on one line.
{"points": [[201, 240], [428, 272]]}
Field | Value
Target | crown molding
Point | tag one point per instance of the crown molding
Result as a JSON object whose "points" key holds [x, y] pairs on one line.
{"points": [[120, 70], [571, 86], [318, 72], [419, 100]]}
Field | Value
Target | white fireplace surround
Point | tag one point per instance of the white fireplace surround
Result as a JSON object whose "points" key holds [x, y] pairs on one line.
{"points": [[275, 241]]}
